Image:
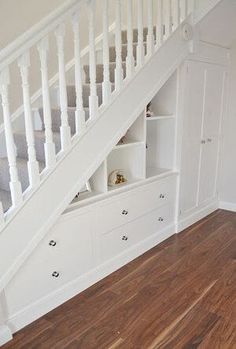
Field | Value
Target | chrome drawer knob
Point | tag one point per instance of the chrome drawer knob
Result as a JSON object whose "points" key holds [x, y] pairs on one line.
{"points": [[160, 219], [124, 238], [55, 274], [52, 243], [124, 212], [162, 196]]}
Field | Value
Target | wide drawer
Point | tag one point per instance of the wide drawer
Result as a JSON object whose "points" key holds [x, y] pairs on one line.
{"points": [[126, 208], [65, 253], [119, 240]]}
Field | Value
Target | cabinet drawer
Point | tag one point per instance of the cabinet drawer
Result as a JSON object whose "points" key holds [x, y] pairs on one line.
{"points": [[122, 238], [64, 254], [127, 208]]}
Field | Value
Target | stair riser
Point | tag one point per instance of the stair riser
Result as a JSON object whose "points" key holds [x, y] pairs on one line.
{"points": [[135, 35], [56, 120], [99, 73]]}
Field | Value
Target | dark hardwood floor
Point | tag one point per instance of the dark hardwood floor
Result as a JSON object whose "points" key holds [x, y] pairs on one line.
{"points": [[180, 294]]}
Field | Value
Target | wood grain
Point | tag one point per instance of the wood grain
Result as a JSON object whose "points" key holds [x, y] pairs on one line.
{"points": [[179, 295]]}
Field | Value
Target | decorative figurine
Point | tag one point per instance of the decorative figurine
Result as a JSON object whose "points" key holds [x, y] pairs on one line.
{"points": [[116, 177], [149, 111]]}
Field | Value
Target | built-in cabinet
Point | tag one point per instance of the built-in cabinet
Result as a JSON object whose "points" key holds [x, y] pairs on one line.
{"points": [[203, 108]]}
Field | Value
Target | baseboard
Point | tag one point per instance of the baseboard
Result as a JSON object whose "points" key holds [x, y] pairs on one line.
{"points": [[229, 206], [63, 294], [5, 334], [194, 217]]}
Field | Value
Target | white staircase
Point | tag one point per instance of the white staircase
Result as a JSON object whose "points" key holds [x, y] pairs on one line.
{"points": [[42, 170]]}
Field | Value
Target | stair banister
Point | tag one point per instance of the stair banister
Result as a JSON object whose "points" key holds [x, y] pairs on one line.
{"points": [[176, 13], [140, 47], [93, 98], [118, 69], [15, 185], [79, 113], [49, 145], [33, 166], [106, 85], [130, 54], [150, 38], [65, 128], [159, 24], [167, 18]]}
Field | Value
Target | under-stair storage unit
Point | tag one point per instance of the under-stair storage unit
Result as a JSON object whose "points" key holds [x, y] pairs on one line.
{"points": [[203, 108]]}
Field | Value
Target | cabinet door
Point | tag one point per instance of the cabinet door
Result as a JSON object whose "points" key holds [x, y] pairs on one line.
{"points": [[192, 128], [213, 106]]}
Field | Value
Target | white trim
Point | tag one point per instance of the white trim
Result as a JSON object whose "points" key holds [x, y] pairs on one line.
{"points": [[197, 215], [71, 289], [229, 206], [204, 10], [5, 334]]}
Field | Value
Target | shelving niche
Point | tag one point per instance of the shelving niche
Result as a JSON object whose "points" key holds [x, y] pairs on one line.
{"points": [[146, 151]]}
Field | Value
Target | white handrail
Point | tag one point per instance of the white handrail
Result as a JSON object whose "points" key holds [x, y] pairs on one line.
{"points": [[29, 38]]}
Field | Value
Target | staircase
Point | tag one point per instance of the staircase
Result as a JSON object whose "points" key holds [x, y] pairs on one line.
{"points": [[43, 169]]}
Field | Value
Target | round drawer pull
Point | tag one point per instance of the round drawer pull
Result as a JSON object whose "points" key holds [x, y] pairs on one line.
{"points": [[160, 219], [124, 212], [55, 274], [162, 196], [124, 238], [52, 243]]}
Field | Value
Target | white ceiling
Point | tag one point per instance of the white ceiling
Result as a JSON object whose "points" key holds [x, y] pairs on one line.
{"points": [[219, 26]]}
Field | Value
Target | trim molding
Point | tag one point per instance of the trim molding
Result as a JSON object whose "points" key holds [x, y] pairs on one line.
{"points": [[197, 215], [71, 289], [5, 334], [229, 206]]}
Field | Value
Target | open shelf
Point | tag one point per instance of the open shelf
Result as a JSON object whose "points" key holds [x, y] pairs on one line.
{"points": [[130, 143], [160, 117]]}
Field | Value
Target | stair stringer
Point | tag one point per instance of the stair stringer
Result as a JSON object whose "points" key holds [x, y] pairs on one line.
{"points": [[23, 233]]}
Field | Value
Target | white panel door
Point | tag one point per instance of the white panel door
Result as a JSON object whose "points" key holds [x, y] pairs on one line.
{"points": [[213, 106], [192, 128]]}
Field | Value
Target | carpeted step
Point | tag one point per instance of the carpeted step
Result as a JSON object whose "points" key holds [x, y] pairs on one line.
{"points": [[99, 72], [112, 52], [22, 172], [135, 35], [5, 198], [39, 137], [56, 119]]}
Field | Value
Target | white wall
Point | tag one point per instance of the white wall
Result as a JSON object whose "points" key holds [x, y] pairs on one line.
{"points": [[228, 172]]}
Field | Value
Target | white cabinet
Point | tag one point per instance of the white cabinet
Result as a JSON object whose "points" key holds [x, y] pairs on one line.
{"points": [[203, 105]]}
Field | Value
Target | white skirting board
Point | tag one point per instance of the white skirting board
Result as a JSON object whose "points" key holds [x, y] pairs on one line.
{"points": [[61, 295], [197, 215], [5, 334], [229, 206]]}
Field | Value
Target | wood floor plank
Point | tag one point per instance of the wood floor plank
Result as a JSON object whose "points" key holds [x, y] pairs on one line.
{"points": [[179, 295]]}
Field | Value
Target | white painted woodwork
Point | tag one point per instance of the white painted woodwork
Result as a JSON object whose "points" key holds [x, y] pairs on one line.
{"points": [[49, 146], [183, 9], [79, 113], [106, 85], [15, 185], [201, 135], [175, 13], [159, 24], [93, 98], [150, 36], [118, 70], [65, 128], [167, 18], [33, 166], [2, 220], [130, 56], [140, 46], [5, 332]]}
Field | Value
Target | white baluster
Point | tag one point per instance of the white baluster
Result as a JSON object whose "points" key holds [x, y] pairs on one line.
{"points": [[118, 69], [130, 53], [150, 37], [49, 146], [175, 13], [106, 85], [93, 98], [168, 18], [140, 47], [15, 185], [190, 6], [183, 9], [33, 166], [159, 25], [65, 128], [79, 113]]}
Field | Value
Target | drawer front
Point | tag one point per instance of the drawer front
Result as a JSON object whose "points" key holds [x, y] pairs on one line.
{"points": [[119, 240], [127, 208], [64, 254]]}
